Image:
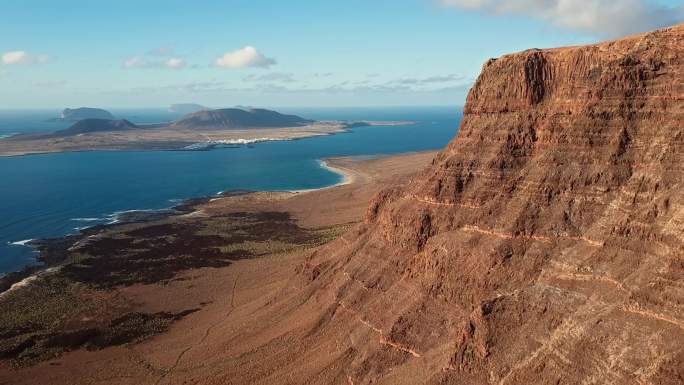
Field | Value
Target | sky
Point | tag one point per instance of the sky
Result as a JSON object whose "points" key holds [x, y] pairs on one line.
{"points": [[271, 53]]}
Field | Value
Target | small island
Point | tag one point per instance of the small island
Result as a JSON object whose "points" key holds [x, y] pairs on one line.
{"points": [[76, 114], [199, 130], [235, 118]]}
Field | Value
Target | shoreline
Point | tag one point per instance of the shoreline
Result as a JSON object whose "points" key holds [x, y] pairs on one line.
{"points": [[178, 208], [49, 251], [127, 283], [43, 247], [348, 176], [182, 207], [147, 215]]}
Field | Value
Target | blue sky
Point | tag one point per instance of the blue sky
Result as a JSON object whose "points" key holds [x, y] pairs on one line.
{"points": [[149, 53]]}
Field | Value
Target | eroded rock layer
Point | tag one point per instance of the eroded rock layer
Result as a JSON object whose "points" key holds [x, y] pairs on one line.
{"points": [[544, 245]]}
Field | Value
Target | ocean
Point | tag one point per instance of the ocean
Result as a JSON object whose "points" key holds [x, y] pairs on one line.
{"points": [[51, 195]]}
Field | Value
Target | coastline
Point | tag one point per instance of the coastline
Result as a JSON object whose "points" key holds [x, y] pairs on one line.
{"points": [[182, 207], [123, 283], [50, 251], [30, 248], [348, 175]]}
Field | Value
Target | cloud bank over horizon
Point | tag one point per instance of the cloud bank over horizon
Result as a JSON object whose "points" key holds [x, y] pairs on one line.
{"points": [[609, 18]]}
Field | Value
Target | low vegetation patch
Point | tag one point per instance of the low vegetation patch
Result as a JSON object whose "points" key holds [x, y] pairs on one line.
{"points": [[79, 305]]}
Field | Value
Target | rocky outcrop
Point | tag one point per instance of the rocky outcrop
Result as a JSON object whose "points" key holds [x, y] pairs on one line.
{"points": [[544, 245]]}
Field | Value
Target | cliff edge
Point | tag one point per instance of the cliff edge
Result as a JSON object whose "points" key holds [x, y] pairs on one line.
{"points": [[544, 245]]}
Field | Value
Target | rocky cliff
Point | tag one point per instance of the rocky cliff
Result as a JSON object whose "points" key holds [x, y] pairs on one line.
{"points": [[545, 245]]}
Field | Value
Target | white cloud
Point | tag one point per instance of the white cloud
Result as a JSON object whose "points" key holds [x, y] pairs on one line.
{"points": [[278, 83], [14, 57], [135, 62], [437, 79], [22, 57], [175, 63], [245, 57], [144, 62], [271, 77], [602, 17]]}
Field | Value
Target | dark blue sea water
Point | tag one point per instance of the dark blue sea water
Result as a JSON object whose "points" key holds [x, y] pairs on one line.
{"points": [[52, 195]]}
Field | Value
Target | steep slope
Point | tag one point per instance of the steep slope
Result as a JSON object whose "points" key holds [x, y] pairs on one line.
{"points": [[239, 118], [544, 245]]}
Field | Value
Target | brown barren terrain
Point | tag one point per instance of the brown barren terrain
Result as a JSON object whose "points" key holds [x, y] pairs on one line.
{"points": [[178, 298], [544, 245]]}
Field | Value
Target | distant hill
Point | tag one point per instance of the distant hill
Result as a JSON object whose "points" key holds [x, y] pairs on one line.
{"points": [[76, 114], [239, 118], [187, 108], [96, 125], [229, 118]]}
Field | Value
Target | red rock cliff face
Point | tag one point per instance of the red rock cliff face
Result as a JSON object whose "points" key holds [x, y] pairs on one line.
{"points": [[544, 245]]}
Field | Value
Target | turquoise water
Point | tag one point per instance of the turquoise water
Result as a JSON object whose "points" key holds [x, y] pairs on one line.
{"points": [[55, 194]]}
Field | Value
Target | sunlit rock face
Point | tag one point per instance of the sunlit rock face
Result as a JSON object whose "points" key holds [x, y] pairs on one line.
{"points": [[545, 244]]}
